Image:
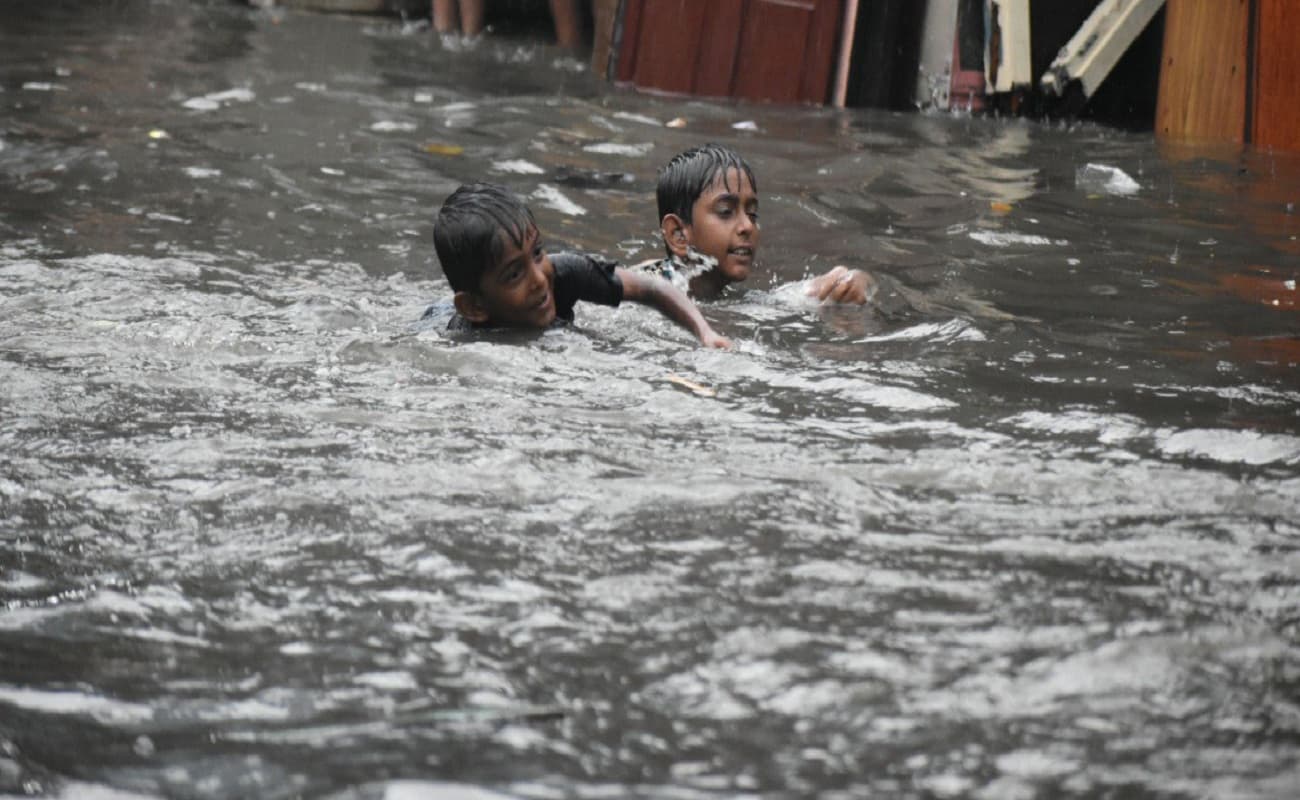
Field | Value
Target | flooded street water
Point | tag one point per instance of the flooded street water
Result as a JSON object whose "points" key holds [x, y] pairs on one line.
{"points": [[1024, 528]]}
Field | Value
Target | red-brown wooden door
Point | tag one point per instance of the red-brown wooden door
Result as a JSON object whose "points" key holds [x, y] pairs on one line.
{"points": [[777, 50], [1277, 76]]}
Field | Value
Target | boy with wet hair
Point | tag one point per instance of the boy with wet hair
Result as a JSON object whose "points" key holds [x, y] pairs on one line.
{"points": [[708, 215], [492, 254]]}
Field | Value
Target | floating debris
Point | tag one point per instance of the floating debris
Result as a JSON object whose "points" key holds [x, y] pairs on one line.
{"points": [[434, 148], [42, 86], [159, 133], [697, 388], [746, 125], [590, 178], [202, 172], [998, 207], [676, 122], [332, 171], [1106, 179]]}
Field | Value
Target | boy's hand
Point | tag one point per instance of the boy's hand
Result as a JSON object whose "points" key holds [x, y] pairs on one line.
{"points": [[842, 285], [711, 339]]}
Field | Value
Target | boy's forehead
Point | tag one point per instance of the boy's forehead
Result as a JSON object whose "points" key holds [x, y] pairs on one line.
{"points": [[729, 180], [526, 236]]}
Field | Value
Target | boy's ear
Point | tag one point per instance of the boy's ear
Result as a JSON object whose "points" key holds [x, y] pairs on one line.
{"points": [[469, 306], [676, 233]]}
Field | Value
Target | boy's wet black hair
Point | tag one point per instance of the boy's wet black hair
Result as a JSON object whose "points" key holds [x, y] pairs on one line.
{"points": [[684, 178], [469, 233]]}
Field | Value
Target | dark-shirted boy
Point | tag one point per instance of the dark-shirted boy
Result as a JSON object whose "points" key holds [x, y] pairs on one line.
{"points": [[493, 256], [708, 215]]}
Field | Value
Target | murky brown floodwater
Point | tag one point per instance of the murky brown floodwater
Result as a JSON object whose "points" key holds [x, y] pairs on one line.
{"points": [[1026, 529]]}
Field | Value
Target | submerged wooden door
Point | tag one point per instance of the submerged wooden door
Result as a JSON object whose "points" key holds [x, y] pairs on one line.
{"points": [[777, 50]]}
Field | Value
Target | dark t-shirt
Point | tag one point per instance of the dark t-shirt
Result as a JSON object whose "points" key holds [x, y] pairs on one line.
{"points": [[578, 277]]}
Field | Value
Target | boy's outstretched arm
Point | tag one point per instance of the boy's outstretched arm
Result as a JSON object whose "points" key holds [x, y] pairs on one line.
{"points": [[671, 302], [843, 285]]}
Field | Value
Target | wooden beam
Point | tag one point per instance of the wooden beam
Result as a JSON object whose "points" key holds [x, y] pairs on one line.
{"points": [[847, 29], [1203, 71], [1094, 50]]}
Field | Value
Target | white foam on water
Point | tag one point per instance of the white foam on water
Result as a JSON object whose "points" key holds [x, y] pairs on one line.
{"points": [[392, 126], [214, 101], [553, 198], [642, 118], [1227, 446], [615, 149], [439, 790], [76, 703], [1009, 239], [518, 166]]}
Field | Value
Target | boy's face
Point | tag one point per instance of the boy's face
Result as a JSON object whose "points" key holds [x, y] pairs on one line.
{"points": [[724, 225], [517, 291]]}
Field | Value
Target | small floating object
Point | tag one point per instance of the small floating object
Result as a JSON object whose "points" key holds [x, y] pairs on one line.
{"points": [[746, 125], [697, 388], [1105, 179], [676, 122], [998, 207], [591, 179], [159, 133], [434, 148]]}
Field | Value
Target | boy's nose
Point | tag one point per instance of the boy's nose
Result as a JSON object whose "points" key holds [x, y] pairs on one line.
{"points": [[536, 277]]}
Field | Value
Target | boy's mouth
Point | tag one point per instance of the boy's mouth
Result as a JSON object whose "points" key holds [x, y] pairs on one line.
{"points": [[742, 252]]}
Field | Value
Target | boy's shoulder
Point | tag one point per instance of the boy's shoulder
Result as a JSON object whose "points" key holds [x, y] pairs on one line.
{"points": [[570, 263], [442, 315], [676, 271], [586, 277]]}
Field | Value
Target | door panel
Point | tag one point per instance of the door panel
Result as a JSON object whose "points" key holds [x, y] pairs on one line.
{"points": [[772, 46], [667, 43], [777, 50], [1277, 76]]}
